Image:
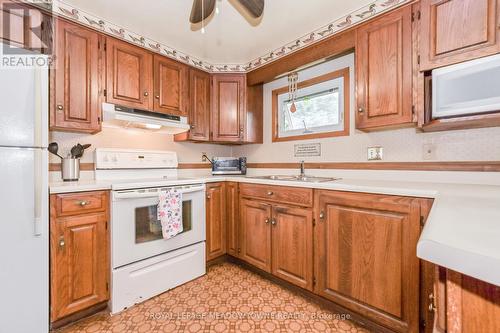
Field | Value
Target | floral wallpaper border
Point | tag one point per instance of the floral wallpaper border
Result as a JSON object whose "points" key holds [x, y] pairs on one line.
{"points": [[377, 7]]}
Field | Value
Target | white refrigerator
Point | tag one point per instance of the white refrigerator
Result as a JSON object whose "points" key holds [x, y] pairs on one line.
{"points": [[24, 233]]}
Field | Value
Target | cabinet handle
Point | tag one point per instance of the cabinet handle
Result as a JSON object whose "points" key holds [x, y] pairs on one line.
{"points": [[61, 241], [270, 193], [361, 110], [83, 203], [146, 94], [273, 221], [266, 221], [60, 107], [432, 307]]}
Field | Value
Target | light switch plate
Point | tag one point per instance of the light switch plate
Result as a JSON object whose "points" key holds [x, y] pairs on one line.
{"points": [[375, 153]]}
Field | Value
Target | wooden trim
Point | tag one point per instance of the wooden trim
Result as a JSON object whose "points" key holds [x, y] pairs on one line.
{"points": [[93, 310], [90, 166], [479, 166], [464, 122], [83, 166], [334, 46], [342, 73]]}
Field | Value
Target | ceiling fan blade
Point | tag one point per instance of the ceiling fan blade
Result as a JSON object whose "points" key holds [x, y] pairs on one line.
{"points": [[254, 7], [200, 12]]}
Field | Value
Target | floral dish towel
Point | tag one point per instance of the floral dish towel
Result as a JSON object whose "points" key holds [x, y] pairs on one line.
{"points": [[170, 212]]}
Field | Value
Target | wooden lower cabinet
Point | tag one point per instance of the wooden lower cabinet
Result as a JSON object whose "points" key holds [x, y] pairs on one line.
{"points": [[215, 220], [79, 254], [256, 233], [365, 256], [292, 245], [456, 303], [232, 219]]}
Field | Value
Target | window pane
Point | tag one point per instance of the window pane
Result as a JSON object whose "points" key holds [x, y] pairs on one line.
{"points": [[315, 110]]}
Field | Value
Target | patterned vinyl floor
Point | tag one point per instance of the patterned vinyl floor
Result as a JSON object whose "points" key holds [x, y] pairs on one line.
{"points": [[227, 299]]}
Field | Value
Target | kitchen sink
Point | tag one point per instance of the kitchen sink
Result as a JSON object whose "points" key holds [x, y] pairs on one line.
{"points": [[310, 179]]}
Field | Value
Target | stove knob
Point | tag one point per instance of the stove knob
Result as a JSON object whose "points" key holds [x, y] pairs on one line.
{"points": [[105, 158], [115, 159]]}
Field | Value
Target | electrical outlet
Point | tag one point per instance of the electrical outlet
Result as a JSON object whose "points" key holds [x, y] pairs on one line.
{"points": [[203, 157], [375, 153]]}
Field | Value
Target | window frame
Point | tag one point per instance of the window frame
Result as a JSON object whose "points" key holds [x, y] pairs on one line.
{"points": [[342, 73]]}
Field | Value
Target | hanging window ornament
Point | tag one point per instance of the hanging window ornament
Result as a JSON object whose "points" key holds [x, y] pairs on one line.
{"points": [[292, 90]]}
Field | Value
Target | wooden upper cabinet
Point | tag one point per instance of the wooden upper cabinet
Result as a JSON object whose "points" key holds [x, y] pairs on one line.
{"points": [[199, 111], [215, 221], [255, 222], [384, 71], [228, 107], [79, 251], [292, 245], [365, 256], [75, 102], [171, 86], [129, 75], [232, 219], [453, 31]]}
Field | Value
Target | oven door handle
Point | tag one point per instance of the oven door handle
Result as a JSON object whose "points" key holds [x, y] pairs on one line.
{"points": [[138, 194]]}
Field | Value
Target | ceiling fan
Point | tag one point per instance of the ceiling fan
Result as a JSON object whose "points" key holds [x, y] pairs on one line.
{"points": [[204, 8]]}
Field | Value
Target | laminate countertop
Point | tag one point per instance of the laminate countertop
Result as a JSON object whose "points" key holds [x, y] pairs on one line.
{"points": [[462, 231]]}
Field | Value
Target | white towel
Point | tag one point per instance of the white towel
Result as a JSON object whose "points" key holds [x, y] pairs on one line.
{"points": [[170, 212]]}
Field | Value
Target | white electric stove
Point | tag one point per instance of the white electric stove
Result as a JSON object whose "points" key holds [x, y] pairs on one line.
{"points": [[144, 264]]}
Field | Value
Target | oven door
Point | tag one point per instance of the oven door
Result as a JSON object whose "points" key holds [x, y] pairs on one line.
{"points": [[136, 231]]}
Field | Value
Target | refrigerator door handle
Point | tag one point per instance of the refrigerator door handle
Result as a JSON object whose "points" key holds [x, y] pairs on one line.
{"points": [[38, 184]]}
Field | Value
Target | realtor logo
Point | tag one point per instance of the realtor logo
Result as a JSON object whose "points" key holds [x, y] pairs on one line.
{"points": [[26, 34]]}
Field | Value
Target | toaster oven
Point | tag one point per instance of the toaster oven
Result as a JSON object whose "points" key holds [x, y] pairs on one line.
{"points": [[229, 166]]}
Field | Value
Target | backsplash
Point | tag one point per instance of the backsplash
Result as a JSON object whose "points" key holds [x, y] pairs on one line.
{"points": [[111, 137], [399, 145]]}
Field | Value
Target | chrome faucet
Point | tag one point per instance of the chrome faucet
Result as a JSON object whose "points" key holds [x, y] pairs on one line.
{"points": [[302, 169]]}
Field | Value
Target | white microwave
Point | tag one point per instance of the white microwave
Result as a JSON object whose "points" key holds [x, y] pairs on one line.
{"points": [[467, 88]]}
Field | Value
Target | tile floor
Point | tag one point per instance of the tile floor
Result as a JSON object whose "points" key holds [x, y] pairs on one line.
{"points": [[227, 299]]}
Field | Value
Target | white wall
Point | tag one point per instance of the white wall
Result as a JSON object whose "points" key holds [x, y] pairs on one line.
{"points": [[399, 145], [135, 139]]}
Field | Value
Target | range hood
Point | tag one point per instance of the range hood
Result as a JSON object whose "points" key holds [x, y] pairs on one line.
{"points": [[121, 116]]}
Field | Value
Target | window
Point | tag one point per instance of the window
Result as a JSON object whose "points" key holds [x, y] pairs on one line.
{"points": [[321, 105]]}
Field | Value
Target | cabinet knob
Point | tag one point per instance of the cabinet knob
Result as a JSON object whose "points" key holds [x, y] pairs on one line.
{"points": [[157, 96], [273, 221], [146, 94], [208, 196], [60, 107], [322, 215], [192, 126], [83, 203], [61, 241], [270, 193], [361, 110], [266, 221]]}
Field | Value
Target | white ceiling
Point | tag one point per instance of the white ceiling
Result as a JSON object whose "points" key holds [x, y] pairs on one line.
{"points": [[229, 37]]}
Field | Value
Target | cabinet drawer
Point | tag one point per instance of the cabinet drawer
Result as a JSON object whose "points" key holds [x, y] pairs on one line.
{"points": [[291, 195], [80, 203]]}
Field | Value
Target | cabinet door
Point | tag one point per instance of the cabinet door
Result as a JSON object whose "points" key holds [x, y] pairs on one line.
{"points": [[384, 71], [129, 75], [75, 104], [171, 86], [199, 114], [453, 31], [292, 245], [232, 219], [216, 221], [228, 111], [256, 233], [79, 263], [365, 256]]}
